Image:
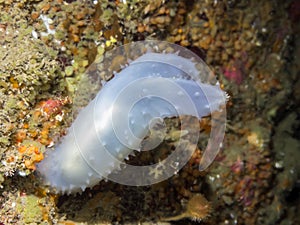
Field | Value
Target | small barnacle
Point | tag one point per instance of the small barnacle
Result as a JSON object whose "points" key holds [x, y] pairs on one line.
{"points": [[197, 209]]}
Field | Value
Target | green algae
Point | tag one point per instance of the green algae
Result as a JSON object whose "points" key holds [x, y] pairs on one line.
{"points": [[29, 73], [69, 70], [29, 208], [28, 61]]}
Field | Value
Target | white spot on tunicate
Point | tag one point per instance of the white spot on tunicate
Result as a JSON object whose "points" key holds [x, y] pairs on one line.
{"points": [[111, 165], [51, 144], [227, 96], [175, 165], [180, 93], [82, 187], [197, 94]]}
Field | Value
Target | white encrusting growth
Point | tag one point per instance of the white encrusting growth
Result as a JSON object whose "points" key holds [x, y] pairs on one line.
{"points": [[117, 120]]}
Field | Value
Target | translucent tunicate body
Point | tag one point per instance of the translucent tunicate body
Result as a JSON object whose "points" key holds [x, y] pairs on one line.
{"points": [[152, 87]]}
